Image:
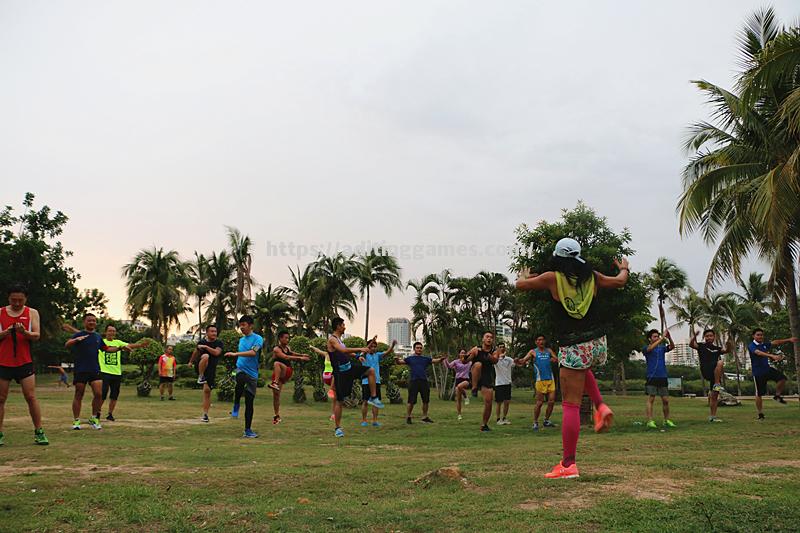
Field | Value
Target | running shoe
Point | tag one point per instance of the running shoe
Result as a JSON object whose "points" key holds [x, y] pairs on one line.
{"points": [[110, 417], [549, 424], [376, 424], [201, 379], [76, 424], [171, 398], [474, 393], [714, 419], [466, 400], [364, 423], [235, 411], [506, 422], [779, 399], [603, 419], [460, 417], [427, 420], [162, 398], [38, 437], [535, 426], [375, 402], [563, 472], [485, 427], [2, 439], [274, 386], [718, 388], [95, 423], [652, 424], [761, 416], [276, 420], [669, 423], [338, 433], [204, 418], [408, 420], [250, 434]]}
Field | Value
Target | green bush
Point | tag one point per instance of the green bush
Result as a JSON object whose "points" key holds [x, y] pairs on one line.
{"points": [[316, 367], [183, 351], [300, 344], [145, 358]]}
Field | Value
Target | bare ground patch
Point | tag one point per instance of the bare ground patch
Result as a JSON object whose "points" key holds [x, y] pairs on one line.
{"points": [[82, 470]]}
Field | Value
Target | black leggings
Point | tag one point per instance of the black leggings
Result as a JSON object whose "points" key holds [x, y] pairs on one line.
{"points": [[248, 402]]}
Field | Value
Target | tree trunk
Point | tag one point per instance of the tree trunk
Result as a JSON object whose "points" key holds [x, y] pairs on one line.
{"points": [[622, 376], [366, 321], [199, 319], [661, 315], [794, 321], [738, 369]]}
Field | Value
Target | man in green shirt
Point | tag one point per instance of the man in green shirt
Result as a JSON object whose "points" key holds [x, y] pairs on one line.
{"points": [[111, 367]]}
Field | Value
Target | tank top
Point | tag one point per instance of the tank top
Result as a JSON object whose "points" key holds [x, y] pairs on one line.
{"points": [[339, 360], [575, 319], [15, 350], [286, 351]]}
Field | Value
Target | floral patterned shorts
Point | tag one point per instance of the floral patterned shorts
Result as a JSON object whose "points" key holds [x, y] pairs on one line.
{"points": [[584, 355]]}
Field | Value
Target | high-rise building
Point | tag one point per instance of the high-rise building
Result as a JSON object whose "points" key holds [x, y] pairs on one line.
{"points": [[682, 355], [398, 329]]}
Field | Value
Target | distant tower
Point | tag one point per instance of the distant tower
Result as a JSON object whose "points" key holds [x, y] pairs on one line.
{"points": [[398, 329]]}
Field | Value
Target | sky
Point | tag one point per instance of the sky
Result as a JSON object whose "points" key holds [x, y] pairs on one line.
{"points": [[342, 125]]}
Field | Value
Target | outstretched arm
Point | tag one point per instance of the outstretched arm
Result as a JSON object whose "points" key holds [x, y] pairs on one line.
{"points": [[692, 338], [531, 281], [778, 342], [614, 282]]}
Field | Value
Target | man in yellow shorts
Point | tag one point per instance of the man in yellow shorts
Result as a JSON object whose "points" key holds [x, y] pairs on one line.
{"points": [[543, 357]]}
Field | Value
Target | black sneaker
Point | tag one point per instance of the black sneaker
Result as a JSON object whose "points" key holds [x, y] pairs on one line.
{"points": [[474, 393], [408, 420], [204, 418], [427, 420], [761, 416], [171, 399], [485, 428], [779, 399], [110, 417]]}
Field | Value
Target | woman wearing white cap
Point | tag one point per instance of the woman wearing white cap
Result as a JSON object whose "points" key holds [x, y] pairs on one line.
{"points": [[573, 285]]}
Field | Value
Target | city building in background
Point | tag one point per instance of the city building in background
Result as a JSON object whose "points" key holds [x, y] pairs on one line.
{"points": [[398, 329]]}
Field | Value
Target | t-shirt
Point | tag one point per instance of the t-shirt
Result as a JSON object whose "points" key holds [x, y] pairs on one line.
{"points": [[462, 369], [418, 364], [487, 367], [85, 352], [373, 360], [111, 362], [541, 365], [502, 370], [212, 344], [708, 353], [656, 361], [249, 365], [15, 349], [760, 364], [166, 366]]}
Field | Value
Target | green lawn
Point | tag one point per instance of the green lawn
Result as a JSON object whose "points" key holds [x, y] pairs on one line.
{"points": [[158, 469]]}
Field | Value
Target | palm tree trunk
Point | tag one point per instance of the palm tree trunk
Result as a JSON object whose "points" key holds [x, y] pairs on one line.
{"points": [[661, 315], [794, 320], [366, 320], [199, 319], [622, 377], [738, 369]]}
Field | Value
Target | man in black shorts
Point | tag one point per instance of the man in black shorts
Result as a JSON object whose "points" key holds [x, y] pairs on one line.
{"points": [[483, 375], [282, 371], [209, 350], [418, 384], [760, 357], [345, 371], [710, 366]]}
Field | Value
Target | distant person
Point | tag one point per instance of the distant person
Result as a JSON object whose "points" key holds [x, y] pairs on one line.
{"points": [[167, 367], [657, 379], [461, 366], [502, 384], [544, 384], [247, 359], [85, 345], [19, 326], [711, 366], [760, 356], [209, 351], [372, 358], [282, 370], [327, 378], [418, 384], [483, 374], [63, 377]]}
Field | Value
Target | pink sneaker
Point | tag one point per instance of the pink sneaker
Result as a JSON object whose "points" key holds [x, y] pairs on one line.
{"points": [[561, 472], [603, 418]]}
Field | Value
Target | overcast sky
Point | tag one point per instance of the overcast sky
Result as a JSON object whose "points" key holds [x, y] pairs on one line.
{"points": [[341, 123]]}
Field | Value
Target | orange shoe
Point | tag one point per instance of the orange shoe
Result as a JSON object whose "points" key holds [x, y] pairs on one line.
{"points": [[603, 418], [331, 394], [561, 472]]}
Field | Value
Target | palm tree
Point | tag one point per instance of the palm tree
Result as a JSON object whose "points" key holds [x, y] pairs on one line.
{"points": [[221, 283], [240, 248], [198, 271], [756, 291], [271, 311], [331, 288], [376, 268], [688, 307], [666, 279], [299, 295], [156, 284], [742, 183]]}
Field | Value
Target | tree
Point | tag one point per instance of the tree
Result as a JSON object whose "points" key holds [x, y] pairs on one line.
{"points": [[145, 358], [271, 311], [221, 283], [31, 254], [743, 179], [756, 291], [156, 284], [300, 344], [331, 289], [199, 274], [299, 293], [376, 268], [667, 279], [240, 247]]}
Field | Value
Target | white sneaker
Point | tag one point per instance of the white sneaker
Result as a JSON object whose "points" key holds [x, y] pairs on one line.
{"points": [[460, 417], [506, 422], [466, 400]]}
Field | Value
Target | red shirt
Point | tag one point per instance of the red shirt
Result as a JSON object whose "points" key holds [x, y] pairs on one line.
{"points": [[15, 349]]}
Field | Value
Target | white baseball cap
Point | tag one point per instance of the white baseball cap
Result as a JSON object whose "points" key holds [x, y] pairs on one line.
{"points": [[568, 247]]}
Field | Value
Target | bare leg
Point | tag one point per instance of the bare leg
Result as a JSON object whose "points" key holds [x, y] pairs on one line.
{"points": [[779, 387], [373, 389], [29, 391], [97, 400], [364, 411], [714, 401], [374, 414], [277, 372], [337, 413], [276, 401], [203, 364], [649, 409], [475, 372], [112, 404], [665, 406], [4, 385], [505, 408], [759, 404], [497, 415], [538, 407], [551, 402], [425, 409], [170, 385], [77, 399], [459, 391], [488, 397], [718, 372], [409, 408], [206, 398], [161, 388]]}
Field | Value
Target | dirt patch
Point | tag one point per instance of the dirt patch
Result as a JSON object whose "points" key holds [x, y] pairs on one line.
{"points": [[149, 424], [389, 447], [793, 463], [655, 488], [446, 473], [84, 470]]}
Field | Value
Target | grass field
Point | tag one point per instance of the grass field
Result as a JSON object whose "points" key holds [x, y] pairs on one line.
{"points": [[159, 469]]}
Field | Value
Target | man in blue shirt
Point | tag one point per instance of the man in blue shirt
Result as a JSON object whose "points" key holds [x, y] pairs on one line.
{"points": [[84, 346], [246, 372], [418, 381], [656, 384], [760, 356], [543, 358], [372, 359]]}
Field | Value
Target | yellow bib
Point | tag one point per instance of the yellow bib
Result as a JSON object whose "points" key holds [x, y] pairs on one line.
{"points": [[575, 300]]}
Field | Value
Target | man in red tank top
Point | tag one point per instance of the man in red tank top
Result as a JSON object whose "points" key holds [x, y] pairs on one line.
{"points": [[19, 325]]}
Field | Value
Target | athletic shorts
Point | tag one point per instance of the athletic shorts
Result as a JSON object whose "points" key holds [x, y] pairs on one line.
{"points": [[365, 394], [62, 378], [287, 372], [419, 387], [327, 378], [345, 380], [656, 387], [111, 383], [16, 373], [165, 379], [459, 381], [247, 382], [502, 393], [707, 369], [584, 355], [211, 371], [761, 381], [546, 386], [86, 377]]}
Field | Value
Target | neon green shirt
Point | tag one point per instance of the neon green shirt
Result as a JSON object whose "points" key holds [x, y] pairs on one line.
{"points": [[111, 363]]}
